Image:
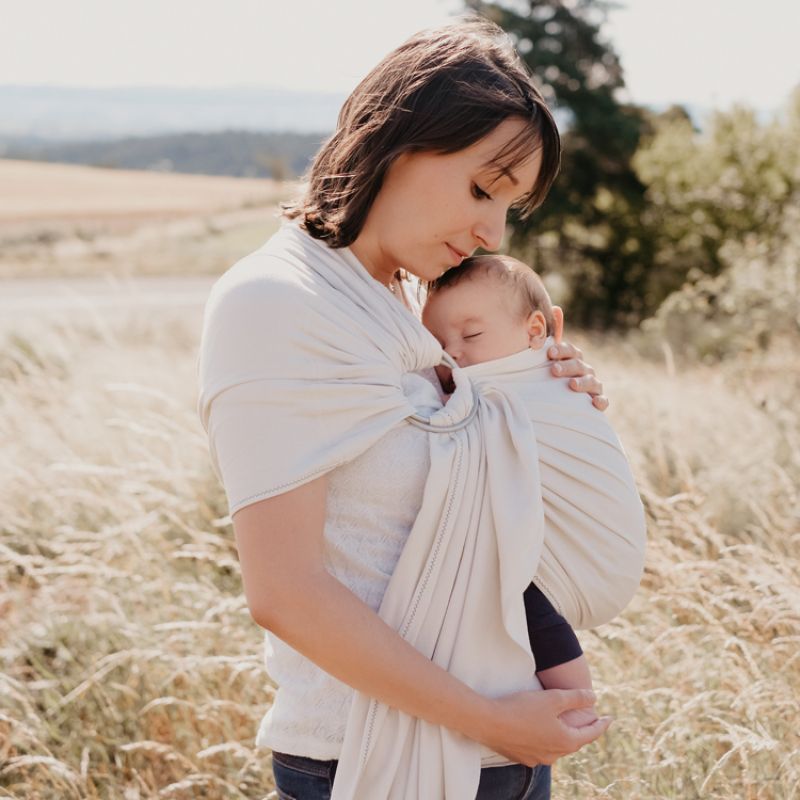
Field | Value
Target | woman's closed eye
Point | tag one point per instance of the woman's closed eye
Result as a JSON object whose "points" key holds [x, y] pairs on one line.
{"points": [[479, 193], [473, 335]]}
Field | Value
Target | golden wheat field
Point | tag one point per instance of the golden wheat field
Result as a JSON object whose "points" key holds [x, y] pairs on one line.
{"points": [[132, 669]]}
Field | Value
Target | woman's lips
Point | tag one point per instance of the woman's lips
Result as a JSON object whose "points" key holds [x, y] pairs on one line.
{"points": [[457, 254]]}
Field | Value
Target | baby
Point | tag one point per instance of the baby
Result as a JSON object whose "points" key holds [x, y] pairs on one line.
{"points": [[492, 307]]}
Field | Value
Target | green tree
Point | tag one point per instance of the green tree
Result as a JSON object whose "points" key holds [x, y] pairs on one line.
{"points": [[725, 206], [590, 229], [731, 183]]}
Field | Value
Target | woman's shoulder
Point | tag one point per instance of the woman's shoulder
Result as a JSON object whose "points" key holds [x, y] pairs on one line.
{"points": [[278, 262], [271, 279], [265, 303]]}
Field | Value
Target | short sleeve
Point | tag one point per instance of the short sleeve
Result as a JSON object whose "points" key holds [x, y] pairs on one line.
{"points": [[281, 395]]}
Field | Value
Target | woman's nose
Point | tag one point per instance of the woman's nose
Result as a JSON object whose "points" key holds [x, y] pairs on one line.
{"points": [[490, 229]]}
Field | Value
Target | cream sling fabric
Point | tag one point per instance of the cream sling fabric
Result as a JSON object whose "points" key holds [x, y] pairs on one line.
{"points": [[594, 524], [594, 545], [300, 370]]}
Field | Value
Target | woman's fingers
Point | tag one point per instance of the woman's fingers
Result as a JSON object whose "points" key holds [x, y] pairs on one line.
{"points": [[574, 699], [569, 364], [563, 350], [569, 699], [526, 726], [586, 383], [572, 366], [588, 733], [558, 324], [583, 377]]}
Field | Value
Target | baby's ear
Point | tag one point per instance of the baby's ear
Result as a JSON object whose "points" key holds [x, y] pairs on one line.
{"points": [[537, 329]]}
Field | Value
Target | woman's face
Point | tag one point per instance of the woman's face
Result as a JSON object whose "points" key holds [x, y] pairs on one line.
{"points": [[434, 210]]}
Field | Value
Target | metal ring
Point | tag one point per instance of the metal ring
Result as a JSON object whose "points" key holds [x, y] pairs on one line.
{"points": [[418, 421]]}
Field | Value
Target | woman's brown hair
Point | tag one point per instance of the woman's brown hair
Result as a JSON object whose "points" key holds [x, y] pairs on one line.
{"points": [[441, 91]]}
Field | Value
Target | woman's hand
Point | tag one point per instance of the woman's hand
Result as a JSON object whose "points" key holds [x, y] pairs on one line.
{"points": [[526, 728], [569, 364]]}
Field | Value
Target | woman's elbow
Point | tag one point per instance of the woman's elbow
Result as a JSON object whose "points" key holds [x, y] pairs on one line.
{"points": [[279, 542], [262, 614], [269, 600]]}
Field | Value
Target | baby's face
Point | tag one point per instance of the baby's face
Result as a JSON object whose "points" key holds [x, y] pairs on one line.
{"points": [[476, 320]]}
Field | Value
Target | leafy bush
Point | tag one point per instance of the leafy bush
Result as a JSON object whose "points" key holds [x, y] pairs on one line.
{"points": [[736, 179], [754, 301]]}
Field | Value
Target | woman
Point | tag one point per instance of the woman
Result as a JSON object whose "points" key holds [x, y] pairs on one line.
{"points": [[431, 151]]}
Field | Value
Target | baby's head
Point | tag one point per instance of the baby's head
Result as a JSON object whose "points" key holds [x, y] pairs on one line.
{"points": [[489, 307]]}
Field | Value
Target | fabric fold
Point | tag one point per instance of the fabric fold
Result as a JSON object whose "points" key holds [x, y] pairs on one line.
{"points": [[595, 530]]}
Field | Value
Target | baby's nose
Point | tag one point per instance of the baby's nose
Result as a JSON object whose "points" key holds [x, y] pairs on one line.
{"points": [[455, 354]]}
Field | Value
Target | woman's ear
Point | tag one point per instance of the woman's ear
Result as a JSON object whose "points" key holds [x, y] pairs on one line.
{"points": [[537, 330], [558, 323]]}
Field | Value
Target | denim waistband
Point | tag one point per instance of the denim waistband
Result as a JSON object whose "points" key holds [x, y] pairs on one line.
{"points": [[311, 766]]}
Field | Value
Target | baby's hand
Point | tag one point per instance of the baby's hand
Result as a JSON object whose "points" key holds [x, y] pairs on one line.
{"points": [[578, 717]]}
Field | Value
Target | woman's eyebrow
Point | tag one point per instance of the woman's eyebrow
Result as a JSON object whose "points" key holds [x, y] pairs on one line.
{"points": [[510, 175], [501, 170]]}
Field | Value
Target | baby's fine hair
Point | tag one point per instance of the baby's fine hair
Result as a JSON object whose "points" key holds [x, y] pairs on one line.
{"points": [[526, 285]]}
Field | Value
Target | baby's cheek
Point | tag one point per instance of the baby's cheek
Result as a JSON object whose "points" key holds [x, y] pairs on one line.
{"points": [[490, 348]]}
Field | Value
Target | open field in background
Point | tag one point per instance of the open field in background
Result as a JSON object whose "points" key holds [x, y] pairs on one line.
{"points": [[129, 665], [59, 220], [131, 668]]}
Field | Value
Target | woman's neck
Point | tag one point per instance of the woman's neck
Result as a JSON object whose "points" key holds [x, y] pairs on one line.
{"points": [[368, 253]]}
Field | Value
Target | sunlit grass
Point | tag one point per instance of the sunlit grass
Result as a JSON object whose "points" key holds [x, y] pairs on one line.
{"points": [[131, 668]]}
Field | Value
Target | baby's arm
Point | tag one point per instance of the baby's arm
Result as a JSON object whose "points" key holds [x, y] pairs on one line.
{"points": [[570, 675], [557, 652]]}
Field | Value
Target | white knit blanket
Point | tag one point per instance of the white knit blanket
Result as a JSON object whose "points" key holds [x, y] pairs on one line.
{"points": [[309, 350]]}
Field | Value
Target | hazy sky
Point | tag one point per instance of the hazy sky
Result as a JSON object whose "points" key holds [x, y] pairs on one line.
{"points": [[707, 52]]}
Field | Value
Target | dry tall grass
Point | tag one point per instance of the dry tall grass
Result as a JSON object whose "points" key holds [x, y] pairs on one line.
{"points": [[131, 668]]}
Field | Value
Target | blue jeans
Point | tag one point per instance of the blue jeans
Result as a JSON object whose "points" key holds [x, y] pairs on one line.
{"points": [[300, 778]]}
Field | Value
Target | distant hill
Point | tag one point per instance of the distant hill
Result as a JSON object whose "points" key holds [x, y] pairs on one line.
{"points": [[238, 153], [62, 113], [234, 131]]}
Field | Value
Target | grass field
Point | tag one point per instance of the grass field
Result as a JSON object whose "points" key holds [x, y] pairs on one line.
{"points": [[130, 665], [61, 220]]}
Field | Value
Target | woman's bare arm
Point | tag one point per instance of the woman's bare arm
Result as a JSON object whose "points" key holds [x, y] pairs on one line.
{"points": [[290, 593]]}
